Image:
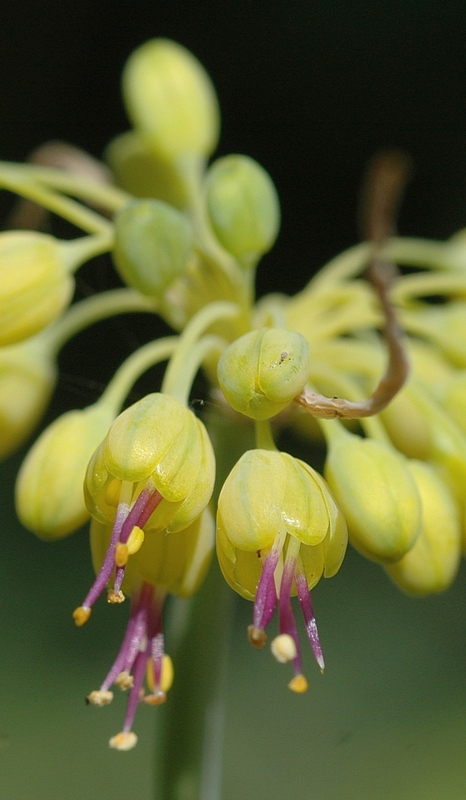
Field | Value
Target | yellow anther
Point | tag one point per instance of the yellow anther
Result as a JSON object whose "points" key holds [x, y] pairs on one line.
{"points": [[125, 740], [155, 699], [115, 597], [81, 615], [257, 637], [124, 681], [135, 540], [283, 648], [166, 679], [299, 684], [99, 698], [121, 555], [112, 492]]}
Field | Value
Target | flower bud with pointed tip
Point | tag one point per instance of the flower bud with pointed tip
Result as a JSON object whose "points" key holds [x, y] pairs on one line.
{"points": [[263, 371], [49, 493], [243, 206], [377, 494], [432, 563], [161, 440], [35, 283], [170, 99], [27, 379], [153, 243]]}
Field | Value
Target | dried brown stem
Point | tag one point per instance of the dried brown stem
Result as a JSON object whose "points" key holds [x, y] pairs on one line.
{"points": [[385, 182]]}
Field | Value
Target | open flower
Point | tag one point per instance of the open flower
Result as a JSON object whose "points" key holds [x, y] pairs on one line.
{"points": [[167, 565], [153, 472], [278, 531]]}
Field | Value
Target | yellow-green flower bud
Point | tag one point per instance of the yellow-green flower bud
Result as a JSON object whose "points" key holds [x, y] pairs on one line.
{"points": [[263, 371], [177, 564], [157, 440], [170, 98], [278, 530], [453, 398], [407, 426], [35, 283], [140, 172], [432, 563], [377, 494], [153, 243], [243, 206], [27, 379], [267, 493], [49, 493]]}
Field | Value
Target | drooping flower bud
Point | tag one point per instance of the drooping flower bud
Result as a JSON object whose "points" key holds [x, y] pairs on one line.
{"points": [[27, 378], [153, 243], [243, 206], [49, 493], [153, 472], [36, 284], [377, 494], [170, 99], [432, 563], [263, 371], [139, 171], [158, 440], [278, 531]]}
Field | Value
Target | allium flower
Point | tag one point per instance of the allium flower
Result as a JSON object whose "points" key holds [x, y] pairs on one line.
{"points": [[278, 531], [153, 472]]}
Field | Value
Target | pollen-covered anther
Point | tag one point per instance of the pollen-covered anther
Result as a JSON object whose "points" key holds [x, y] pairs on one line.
{"points": [[81, 615], [112, 492], [124, 681], [121, 555], [135, 540], [256, 637], [156, 698], [99, 698], [125, 740], [114, 597], [283, 648], [298, 684]]}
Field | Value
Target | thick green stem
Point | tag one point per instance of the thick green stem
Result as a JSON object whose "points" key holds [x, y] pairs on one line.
{"points": [[191, 746], [22, 182]]}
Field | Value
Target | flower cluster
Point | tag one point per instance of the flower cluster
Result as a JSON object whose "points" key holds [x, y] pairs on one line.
{"points": [[186, 237]]}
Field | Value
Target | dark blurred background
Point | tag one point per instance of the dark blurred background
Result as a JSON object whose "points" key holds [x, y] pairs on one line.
{"points": [[311, 89]]}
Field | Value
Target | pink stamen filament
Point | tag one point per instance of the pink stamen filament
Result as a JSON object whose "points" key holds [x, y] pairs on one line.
{"points": [[135, 632], [153, 603], [139, 672], [157, 654], [266, 595], [287, 622], [305, 601], [142, 510], [108, 563]]}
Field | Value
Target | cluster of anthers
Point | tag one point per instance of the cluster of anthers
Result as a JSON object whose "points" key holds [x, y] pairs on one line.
{"points": [[185, 237]]}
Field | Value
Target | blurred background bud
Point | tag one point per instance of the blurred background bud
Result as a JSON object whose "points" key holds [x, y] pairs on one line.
{"points": [[243, 206], [153, 243]]}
